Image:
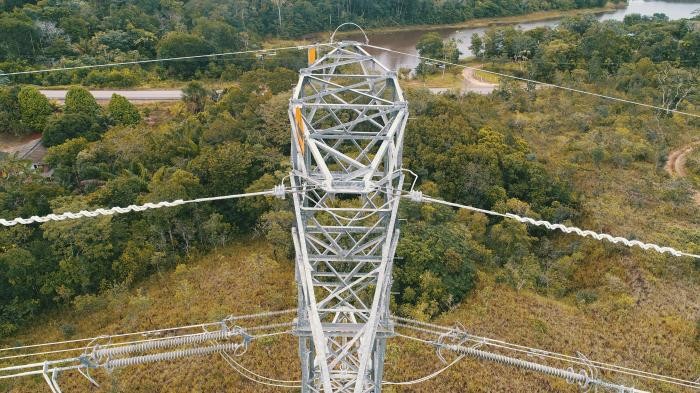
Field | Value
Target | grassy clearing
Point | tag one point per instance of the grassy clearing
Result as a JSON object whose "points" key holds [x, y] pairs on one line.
{"points": [[438, 80], [243, 278], [487, 77], [240, 279]]}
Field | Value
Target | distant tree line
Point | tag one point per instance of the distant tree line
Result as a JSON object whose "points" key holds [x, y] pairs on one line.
{"points": [[70, 33]]}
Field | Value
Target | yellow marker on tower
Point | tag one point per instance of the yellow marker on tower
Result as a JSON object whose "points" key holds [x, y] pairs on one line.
{"points": [[312, 55], [300, 127]]}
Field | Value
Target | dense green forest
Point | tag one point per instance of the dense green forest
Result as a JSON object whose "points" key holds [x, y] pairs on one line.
{"points": [[540, 152], [469, 149], [68, 33], [642, 57]]}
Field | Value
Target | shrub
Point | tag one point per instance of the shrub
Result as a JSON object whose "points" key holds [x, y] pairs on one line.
{"points": [[196, 96], [177, 44], [122, 111], [438, 267], [79, 100], [34, 108], [68, 330], [69, 126], [10, 116], [113, 78], [586, 296]]}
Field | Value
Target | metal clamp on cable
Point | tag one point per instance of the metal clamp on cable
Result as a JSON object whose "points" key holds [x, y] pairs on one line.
{"points": [[415, 196], [279, 191]]}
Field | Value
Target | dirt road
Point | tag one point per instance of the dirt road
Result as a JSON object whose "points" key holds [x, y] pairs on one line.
{"points": [[474, 84], [675, 165]]}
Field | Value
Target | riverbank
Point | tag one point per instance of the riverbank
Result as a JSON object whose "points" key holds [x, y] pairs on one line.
{"points": [[484, 22]]}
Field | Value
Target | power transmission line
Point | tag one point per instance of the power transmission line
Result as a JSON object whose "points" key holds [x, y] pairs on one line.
{"points": [[571, 89], [159, 60], [145, 333], [112, 355], [101, 356], [418, 196], [278, 191], [438, 330], [584, 379]]}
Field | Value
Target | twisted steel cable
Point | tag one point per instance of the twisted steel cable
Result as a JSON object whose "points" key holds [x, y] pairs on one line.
{"points": [[569, 89], [277, 191], [417, 196]]}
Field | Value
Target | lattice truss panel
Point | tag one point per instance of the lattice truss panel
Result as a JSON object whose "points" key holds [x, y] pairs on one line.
{"points": [[348, 116]]}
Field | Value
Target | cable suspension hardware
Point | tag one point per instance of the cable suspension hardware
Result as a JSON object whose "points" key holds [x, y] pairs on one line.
{"points": [[347, 116], [102, 353], [584, 381], [452, 339]]}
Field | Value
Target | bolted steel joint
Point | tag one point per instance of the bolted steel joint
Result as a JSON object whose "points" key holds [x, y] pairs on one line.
{"points": [[279, 191], [415, 196]]}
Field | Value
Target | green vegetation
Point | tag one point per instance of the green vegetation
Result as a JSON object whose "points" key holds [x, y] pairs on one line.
{"points": [[544, 153], [206, 147], [431, 45], [42, 33], [228, 281], [23, 110], [79, 100], [34, 108], [692, 166], [123, 112], [644, 57]]}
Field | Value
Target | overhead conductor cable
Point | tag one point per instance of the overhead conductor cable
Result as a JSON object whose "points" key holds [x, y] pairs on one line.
{"points": [[418, 196]]}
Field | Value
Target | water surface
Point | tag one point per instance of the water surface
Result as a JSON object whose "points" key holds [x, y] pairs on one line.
{"points": [[405, 41]]}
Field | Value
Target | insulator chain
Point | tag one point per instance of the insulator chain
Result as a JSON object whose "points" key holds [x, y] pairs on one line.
{"points": [[582, 378], [101, 353], [159, 357]]}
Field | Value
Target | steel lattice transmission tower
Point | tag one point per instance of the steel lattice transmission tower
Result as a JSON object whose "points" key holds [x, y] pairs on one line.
{"points": [[348, 116]]}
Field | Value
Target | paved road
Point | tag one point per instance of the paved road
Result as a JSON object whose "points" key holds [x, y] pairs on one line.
{"points": [[131, 95]]}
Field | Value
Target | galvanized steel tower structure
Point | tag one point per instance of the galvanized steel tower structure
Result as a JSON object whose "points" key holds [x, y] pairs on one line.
{"points": [[348, 116]]}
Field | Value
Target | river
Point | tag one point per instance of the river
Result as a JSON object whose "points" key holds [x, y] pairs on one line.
{"points": [[405, 41]]}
